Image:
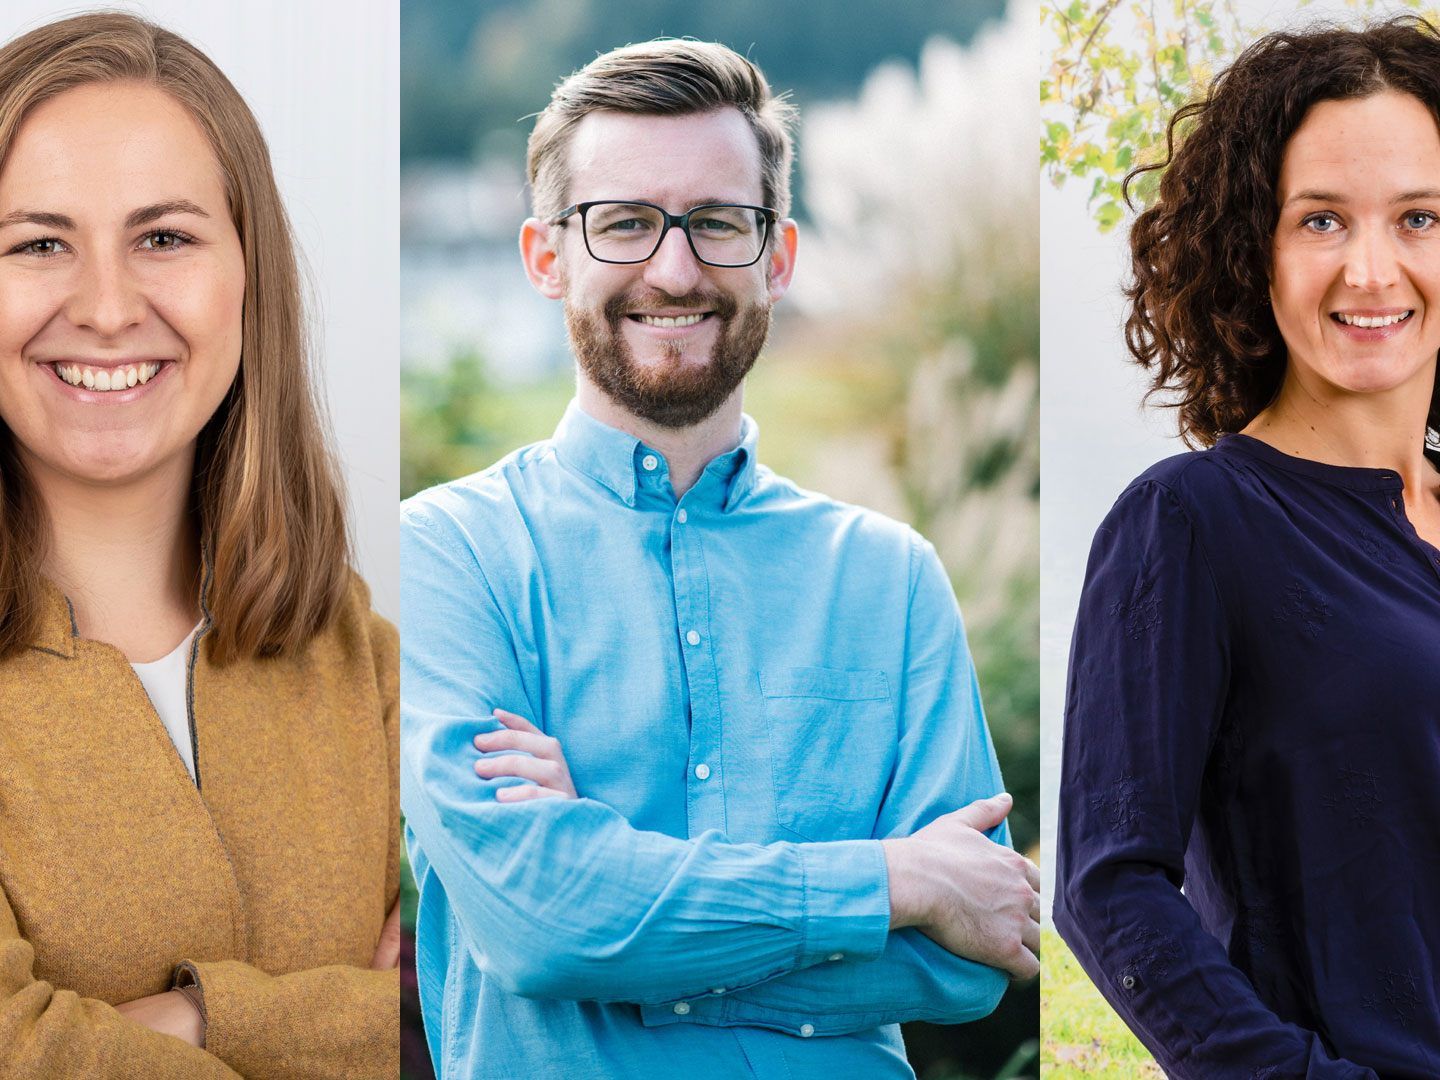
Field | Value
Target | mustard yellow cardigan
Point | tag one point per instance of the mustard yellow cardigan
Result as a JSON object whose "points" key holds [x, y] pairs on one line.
{"points": [[269, 881]]}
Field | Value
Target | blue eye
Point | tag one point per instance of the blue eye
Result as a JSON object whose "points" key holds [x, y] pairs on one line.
{"points": [[1321, 223], [1419, 220]]}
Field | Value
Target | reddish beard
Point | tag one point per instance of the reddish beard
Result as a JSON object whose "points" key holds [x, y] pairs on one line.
{"points": [[671, 393]]}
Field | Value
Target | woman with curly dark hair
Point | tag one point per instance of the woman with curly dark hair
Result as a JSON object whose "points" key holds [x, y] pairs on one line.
{"points": [[1253, 706]]}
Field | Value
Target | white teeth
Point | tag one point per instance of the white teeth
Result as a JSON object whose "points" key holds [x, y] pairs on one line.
{"points": [[1370, 322], [106, 379], [665, 320]]}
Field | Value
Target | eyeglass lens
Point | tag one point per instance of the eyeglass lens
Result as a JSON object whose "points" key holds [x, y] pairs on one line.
{"points": [[721, 235]]}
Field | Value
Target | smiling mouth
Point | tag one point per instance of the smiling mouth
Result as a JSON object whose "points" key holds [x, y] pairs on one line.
{"points": [[1371, 322], [671, 321], [104, 379]]}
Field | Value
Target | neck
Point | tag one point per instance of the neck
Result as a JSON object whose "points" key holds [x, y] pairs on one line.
{"points": [[687, 450], [1372, 431], [127, 556]]}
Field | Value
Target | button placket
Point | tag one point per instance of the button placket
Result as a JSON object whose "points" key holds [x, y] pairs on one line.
{"points": [[705, 806]]}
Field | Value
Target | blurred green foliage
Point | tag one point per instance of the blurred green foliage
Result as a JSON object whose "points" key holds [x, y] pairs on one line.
{"points": [[1118, 72]]}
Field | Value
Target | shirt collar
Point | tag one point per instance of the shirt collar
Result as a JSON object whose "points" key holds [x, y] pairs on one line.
{"points": [[616, 460]]}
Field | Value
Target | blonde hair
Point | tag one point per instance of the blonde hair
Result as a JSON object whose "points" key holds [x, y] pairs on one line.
{"points": [[267, 492], [668, 77]]}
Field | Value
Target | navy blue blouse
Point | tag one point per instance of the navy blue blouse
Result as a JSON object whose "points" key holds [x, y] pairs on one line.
{"points": [[1253, 711]]}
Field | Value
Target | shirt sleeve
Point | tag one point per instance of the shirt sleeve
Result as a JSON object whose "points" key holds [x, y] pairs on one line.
{"points": [[48, 1031], [564, 898], [336, 1021], [945, 760], [1149, 671]]}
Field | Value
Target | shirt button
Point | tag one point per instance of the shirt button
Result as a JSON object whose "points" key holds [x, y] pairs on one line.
{"points": [[693, 638], [682, 1008], [702, 771], [717, 990], [682, 516], [649, 463], [837, 956], [1128, 982], [806, 1030]]}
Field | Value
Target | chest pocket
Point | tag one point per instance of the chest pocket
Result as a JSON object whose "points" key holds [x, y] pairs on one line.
{"points": [[832, 747]]}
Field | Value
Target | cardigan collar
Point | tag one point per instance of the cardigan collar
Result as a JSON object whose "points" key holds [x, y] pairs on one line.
{"points": [[58, 629]]}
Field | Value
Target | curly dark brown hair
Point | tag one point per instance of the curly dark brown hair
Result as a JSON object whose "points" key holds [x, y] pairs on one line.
{"points": [[1199, 317]]}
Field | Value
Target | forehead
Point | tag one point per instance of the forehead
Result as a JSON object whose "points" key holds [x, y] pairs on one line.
{"points": [[102, 149], [675, 161], [1374, 145]]}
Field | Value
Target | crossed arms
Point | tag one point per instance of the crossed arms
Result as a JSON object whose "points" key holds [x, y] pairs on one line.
{"points": [[563, 898]]}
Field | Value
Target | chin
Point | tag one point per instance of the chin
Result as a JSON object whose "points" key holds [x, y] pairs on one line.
{"points": [[111, 459]]}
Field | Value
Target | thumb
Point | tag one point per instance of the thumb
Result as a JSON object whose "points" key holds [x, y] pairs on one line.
{"points": [[984, 814]]}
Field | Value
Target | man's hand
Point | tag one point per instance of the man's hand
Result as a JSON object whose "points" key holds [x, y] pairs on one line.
{"points": [[974, 897], [170, 1013], [546, 764], [387, 952]]}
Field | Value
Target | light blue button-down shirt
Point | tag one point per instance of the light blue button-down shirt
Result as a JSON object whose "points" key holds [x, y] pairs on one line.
{"points": [[752, 685]]}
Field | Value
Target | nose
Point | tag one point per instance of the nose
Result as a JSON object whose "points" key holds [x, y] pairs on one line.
{"points": [[106, 299], [1370, 260], [673, 268]]}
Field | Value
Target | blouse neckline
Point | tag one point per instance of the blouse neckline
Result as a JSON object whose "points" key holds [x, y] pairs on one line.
{"points": [[1350, 476]]}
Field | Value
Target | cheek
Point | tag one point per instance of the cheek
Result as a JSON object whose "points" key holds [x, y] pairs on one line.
{"points": [[28, 301], [204, 306]]}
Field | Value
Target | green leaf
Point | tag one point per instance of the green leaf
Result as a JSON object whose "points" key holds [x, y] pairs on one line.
{"points": [[1108, 215]]}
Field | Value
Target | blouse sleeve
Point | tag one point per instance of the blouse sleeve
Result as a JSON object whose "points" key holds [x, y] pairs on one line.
{"points": [[1149, 672], [49, 1031]]}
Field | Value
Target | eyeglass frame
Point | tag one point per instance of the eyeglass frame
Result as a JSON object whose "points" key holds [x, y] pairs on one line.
{"points": [[681, 221]]}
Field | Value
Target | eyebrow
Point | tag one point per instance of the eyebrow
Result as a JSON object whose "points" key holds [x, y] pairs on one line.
{"points": [[1419, 195], [143, 216]]}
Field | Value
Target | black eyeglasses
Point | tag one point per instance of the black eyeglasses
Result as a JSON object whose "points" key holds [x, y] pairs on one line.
{"points": [[720, 234]]}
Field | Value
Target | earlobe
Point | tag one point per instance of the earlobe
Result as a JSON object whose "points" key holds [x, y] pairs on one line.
{"points": [[541, 259], [782, 258]]}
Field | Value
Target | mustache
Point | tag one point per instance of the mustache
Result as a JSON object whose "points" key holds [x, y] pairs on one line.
{"points": [[617, 307]]}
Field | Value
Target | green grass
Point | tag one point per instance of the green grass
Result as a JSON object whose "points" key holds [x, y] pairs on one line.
{"points": [[1080, 1035]]}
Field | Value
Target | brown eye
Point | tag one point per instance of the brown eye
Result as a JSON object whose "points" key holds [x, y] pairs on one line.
{"points": [[163, 240]]}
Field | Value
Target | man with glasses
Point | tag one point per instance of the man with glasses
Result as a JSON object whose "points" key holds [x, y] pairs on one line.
{"points": [[696, 776]]}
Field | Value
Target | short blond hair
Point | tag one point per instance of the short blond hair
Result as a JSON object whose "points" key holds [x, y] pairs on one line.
{"points": [[667, 77]]}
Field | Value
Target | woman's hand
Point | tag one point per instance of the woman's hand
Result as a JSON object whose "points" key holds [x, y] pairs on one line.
{"points": [[546, 765], [387, 952], [170, 1013]]}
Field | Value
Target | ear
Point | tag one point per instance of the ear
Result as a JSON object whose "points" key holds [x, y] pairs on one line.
{"points": [[781, 267], [539, 252]]}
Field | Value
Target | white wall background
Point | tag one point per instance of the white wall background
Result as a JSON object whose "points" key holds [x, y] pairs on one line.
{"points": [[323, 77], [1095, 434]]}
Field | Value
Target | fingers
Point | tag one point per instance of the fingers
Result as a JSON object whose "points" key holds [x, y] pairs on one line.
{"points": [[985, 814], [531, 742], [526, 792], [387, 952], [545, 773], [1032, 875], [1027, 961], [514, 721]]}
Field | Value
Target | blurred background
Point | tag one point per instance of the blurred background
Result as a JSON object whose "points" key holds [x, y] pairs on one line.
{"points": [[902, 373], [1114, 72]]}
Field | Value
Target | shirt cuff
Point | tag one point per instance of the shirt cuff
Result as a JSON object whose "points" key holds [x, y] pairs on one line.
{"points": [[846, 899]]}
